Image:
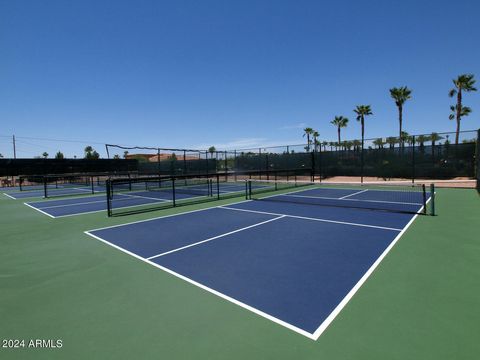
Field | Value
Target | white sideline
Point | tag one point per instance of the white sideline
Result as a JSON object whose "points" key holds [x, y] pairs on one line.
{"points": [[43, 212], [343, 198]]}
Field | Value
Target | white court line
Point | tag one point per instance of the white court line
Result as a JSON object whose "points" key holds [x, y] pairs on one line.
{"points": [[96, 211], [126, 207], [11, 197], [142, 197], [323, 326], [64, 189], [359, 200], [313, 219], [164, 216], [210, 290], [362, 280], [355, 193], [43, 212], [215, 237], [66, 205], [99, 201]]}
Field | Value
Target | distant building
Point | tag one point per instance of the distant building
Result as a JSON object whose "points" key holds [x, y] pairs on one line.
{"points": [[163, 157]]}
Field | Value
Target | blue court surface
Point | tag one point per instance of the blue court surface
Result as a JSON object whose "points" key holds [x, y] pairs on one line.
{"points": [[95, 203], [292, 263], [60, 191]]}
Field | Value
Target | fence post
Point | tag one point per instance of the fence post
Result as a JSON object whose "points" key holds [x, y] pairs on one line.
{"points": [[235, 165], [260, 161], [206, 161], [477, 158], [413, 159], [109, 196], [173, 192], [158, 159], [312, 156], [184, 162], [45, 182], [361, 160]]}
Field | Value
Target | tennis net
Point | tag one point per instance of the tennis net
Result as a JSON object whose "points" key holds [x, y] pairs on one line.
{"points": [[415, 199]]}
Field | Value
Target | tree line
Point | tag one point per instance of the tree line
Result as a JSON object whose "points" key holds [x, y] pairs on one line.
{"points": [[462, 84]]}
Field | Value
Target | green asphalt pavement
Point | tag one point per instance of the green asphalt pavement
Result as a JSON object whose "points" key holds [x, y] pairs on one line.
{"points": [[422, 302]]}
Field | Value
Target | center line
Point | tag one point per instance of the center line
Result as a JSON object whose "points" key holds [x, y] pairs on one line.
{"points": [[215, 237], [355, 193]]}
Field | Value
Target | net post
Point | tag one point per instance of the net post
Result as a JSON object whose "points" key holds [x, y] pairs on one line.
{"points": [[173, 192], [218, 186], [250, 189], [109, 198], [424, 194], [432, 199], [246, 189], [92, 184]]}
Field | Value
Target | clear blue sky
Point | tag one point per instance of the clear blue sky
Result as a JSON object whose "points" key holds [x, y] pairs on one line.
{"points": [[227, 73]]}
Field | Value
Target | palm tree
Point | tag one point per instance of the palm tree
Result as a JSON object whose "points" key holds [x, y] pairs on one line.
{"points": [[315, 135], [391, 141], [421, 140], [45, 155], [324, 143], [405, 137], [462, 83], [307, 132], [356, 145], [434, 137], [362, 111], [464, 111], [378, 142], [211, 150], [400, 95], [339, 122]]}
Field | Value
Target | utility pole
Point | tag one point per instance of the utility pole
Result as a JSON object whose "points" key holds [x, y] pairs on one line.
{"points": [[14, 148]]}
